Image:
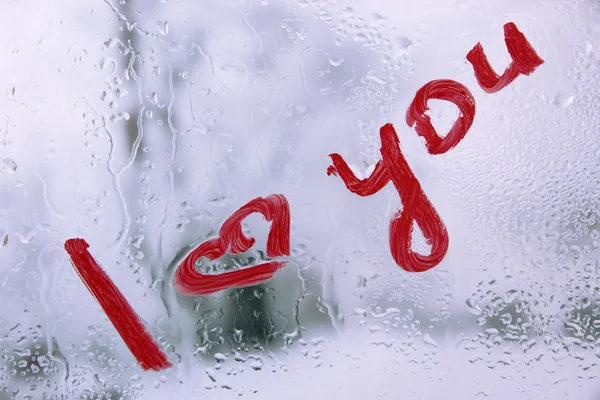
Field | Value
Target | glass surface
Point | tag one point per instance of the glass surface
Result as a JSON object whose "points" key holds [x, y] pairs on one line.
{"points": [[142, 126]]}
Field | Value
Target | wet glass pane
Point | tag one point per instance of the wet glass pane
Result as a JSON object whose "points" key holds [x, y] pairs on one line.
{"points": [[147, 128]]}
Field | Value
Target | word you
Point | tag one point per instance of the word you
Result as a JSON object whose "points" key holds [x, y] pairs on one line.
{"points": [[392, 167]]}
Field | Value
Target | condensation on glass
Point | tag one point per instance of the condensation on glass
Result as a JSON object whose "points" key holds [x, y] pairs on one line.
{"points": [[142, 126]]}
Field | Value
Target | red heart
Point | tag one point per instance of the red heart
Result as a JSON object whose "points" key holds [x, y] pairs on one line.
{"points": [[231, 239]]}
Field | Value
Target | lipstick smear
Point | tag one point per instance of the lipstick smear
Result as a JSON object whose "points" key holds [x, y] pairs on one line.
{"points": [[129, 325], [525, 61], [275, 208], [394, 168]]}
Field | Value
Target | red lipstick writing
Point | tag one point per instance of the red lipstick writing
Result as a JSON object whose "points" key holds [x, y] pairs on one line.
{"points": [[393, 166], [525, 61], [145, 350], [274, 208]]}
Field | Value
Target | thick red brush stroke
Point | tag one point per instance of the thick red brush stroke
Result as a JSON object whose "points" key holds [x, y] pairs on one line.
{"points": [[394, 167], [275, 208], [145, 350], [448, 90], [525, 61]]}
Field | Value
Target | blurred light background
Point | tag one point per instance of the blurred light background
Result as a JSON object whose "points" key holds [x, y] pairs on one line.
{"points": [[142, 125]]}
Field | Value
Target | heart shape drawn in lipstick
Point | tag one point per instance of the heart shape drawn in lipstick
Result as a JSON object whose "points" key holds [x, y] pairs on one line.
{"points": [[275, 208]]}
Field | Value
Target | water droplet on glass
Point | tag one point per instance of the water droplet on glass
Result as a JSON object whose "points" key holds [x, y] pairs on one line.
{"points": [[110, 43], [403, 42], [336, 60], [9, 165], [43, 361], [372, 76], [26, 233], [229, 69], [506, 318], [256, 365], [163, 27], [211, 374], [119, 117], [429, 341]]}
